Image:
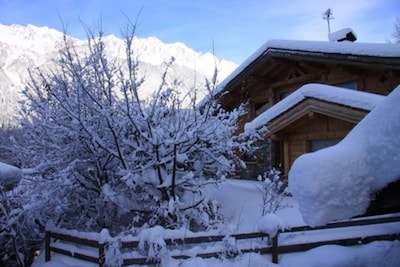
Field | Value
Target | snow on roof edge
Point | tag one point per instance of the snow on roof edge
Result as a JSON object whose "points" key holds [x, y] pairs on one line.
{"points": [[361, 49], [329, 93]]}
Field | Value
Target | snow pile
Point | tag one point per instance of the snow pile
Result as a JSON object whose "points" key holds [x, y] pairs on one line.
{"points": [[9, 174], [271, 224], [382, 253], [336, 182]]}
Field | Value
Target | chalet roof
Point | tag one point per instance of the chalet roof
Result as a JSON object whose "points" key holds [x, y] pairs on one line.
{"points": [[330, 94], [382, 54]]}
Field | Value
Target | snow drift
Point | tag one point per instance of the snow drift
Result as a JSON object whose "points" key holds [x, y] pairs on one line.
{"points": [[337, 182]]}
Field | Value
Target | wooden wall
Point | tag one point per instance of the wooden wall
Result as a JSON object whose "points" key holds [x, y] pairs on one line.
{"points": [[271, 80], [367, 80], [297, 137]]}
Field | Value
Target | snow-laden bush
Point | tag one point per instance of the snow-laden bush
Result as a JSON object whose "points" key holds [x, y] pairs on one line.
{"points": [[273, 191], [112, 251], [123, 160], [20, 234], [152, 243], [231, 249], [113, 256], [102, 157], [270, 224]]}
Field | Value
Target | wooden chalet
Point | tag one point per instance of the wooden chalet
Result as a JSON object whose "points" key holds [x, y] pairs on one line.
{"points": [[279, 68], [313, 117]]}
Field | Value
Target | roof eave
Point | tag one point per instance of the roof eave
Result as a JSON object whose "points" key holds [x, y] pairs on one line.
{"points": [[269, 52]]}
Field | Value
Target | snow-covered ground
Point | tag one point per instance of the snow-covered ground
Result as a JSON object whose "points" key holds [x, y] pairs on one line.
{"points": [[331, 184], [241, 204]]}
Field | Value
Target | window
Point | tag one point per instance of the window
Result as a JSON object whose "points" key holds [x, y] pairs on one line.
{"points": [[284, 94], [316, 145], [261, 107], [349, 85]]}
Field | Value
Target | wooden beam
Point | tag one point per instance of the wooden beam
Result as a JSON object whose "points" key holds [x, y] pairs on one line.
{"points": [[278, 136], [320, 135], [333, 110], [301, 79], [259, 78], [354, 70]]}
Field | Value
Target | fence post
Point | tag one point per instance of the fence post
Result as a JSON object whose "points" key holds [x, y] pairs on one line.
{"points": [[275, 248], [47, 256], [101, 254], [104, 238]]}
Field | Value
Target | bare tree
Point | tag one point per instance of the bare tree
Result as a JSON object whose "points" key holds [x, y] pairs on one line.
{"points": [[273, 191], [396, 31]]}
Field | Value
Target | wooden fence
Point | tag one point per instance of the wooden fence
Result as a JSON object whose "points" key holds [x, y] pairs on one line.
{"points": [[97, 252]]}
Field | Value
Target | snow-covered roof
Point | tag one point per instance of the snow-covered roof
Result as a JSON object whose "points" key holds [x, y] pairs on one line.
{"points": [[328, 93], [382, 50]]}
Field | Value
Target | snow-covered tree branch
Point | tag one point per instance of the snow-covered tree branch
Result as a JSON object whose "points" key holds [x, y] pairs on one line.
{"points": [[100, 156]]}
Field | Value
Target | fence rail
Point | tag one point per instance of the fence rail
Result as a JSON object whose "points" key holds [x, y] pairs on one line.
{"points": [[275, 247]]}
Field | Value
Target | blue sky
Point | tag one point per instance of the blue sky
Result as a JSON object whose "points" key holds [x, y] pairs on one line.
{"points": [[236, 28]]}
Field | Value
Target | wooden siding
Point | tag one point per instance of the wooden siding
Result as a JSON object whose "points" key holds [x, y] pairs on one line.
{"points": [[296, 137], [267, 84], [276, 75]]}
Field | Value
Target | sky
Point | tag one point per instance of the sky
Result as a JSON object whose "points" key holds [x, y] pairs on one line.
{"points": [[232, 30]]}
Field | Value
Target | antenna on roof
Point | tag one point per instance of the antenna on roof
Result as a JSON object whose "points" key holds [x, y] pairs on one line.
{"points": [[328, 16]]}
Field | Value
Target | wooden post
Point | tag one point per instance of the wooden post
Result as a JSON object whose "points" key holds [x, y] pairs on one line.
{"points": [[47, 255], [286, 155], [275, 248], [101, 255]]}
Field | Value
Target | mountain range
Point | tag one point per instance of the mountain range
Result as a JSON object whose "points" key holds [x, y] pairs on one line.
{"points": [[27, 47]]}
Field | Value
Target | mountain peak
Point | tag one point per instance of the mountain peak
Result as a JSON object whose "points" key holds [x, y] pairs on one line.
{"points": [[24, 47], [150, 49], [19, 35]]}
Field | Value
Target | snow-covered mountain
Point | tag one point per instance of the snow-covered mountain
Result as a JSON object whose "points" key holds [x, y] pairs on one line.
{"points": [[23, 47]]}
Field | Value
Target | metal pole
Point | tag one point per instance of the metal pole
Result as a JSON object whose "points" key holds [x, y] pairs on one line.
{"points": [[329, 26]]}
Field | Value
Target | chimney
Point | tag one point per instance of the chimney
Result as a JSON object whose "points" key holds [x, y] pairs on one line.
{"points": [[346, 34]]}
